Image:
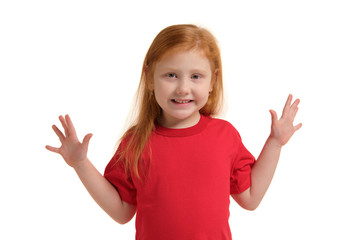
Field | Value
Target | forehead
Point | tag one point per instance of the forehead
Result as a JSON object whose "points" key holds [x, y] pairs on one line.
{"points": [[184, 58]]}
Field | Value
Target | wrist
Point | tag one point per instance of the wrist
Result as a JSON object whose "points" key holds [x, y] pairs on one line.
{"points": [[274, 142], [81, 165]]}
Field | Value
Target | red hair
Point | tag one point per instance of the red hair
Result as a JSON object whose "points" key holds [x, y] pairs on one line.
{"points": [[176, 37]]}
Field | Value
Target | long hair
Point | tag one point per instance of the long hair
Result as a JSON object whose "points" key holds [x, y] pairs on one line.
{"points": [[179, 37]]}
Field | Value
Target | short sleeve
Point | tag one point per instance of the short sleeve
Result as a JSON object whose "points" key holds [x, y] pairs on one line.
{"points": [[116, 175], [240, 178]]}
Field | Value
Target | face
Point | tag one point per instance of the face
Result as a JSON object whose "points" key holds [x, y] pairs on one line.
{"points": [[182, 82]]}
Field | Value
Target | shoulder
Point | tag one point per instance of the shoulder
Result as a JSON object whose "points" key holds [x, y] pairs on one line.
{"points": [[222, 126], [221, 123]]}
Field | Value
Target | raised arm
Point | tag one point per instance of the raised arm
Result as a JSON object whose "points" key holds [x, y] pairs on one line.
{"points": [[264, 168], [101, 190]]}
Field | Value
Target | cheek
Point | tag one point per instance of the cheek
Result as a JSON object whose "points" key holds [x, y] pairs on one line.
{"points": [[157, 95], [161, 92], [202, 97], [206, 89]]}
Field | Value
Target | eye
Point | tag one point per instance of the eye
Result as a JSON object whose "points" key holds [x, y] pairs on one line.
{"points": [[171, 75], [195, 76]]}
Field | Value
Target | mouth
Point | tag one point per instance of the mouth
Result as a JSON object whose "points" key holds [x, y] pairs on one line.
{"points": [[182, 101]]}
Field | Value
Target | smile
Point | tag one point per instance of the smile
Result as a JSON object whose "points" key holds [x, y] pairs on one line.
{"points": [[181, 101]]}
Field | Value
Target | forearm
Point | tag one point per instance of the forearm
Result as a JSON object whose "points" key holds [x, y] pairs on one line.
{"points": [[263, 170], [101, 190]]}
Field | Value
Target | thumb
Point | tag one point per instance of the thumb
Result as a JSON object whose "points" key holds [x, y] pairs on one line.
{"points": [[274, 116], [87, 140]]}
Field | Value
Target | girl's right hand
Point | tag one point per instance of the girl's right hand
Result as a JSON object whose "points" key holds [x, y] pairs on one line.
{"points": [[72, 150]]}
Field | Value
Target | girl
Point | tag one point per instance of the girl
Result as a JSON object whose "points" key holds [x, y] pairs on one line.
{"points": [[177, 165]]}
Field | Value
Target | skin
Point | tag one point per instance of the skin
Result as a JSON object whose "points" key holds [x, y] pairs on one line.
{"points": [[264, 168], [101, 190], [182, 77], [182, 83]]}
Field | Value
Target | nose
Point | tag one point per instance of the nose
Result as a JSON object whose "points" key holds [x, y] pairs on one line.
{"points": [[183, 87]]}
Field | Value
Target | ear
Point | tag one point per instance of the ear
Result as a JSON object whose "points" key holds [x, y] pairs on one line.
{"points": [[150, 84], [148, 79], [145, 68], [213, 80]]}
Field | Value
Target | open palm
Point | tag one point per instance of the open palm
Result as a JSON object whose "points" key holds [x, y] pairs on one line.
{"points": [[72, 150], [282, 129]]}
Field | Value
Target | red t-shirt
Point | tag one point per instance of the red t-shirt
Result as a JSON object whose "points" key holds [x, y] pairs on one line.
{"points": [[192, 173]]}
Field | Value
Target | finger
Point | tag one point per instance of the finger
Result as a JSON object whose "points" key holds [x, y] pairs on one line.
{"points": [[287, 105], [296, 103], [58, 133], [294, 106], [293, 113], [87, 140], [288, 102], [70, 125], [274, 116], [52, 149], [63, 123], [297, 127]]}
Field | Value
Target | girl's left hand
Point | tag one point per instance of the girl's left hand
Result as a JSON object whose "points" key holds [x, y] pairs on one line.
{"points": [[282, 129]]}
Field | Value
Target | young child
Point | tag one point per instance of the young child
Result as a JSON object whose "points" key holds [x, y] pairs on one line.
{"points": [[177, 165]]}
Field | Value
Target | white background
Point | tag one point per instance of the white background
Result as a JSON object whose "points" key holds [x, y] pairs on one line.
{"points": [[84, 58]]}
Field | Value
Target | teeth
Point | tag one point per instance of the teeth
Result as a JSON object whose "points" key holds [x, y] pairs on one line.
{"points": [[179, 101]]}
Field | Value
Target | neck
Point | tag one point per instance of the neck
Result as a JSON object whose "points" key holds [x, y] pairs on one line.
{"points": [[169, 122]]}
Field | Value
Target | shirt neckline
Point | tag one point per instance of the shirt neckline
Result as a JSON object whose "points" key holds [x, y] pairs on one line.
{"points": [[183, 132]]}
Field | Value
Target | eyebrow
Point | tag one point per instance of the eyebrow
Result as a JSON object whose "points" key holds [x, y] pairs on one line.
{"points": [[172, 69]]}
